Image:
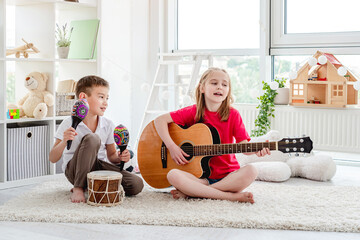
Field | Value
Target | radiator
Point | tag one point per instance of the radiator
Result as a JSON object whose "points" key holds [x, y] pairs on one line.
{"points": [[330, 129]]}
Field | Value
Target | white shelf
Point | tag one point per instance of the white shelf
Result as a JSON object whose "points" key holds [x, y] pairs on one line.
{"points": [[76, 60], [30, 59], [21, 120], [27, 2], [49, 60], [35, 21], [63, 5], [61, 117]]}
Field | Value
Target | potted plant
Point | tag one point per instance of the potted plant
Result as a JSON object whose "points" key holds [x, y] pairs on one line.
{"points": [[283, 94], [63, 42], [267, 107]]}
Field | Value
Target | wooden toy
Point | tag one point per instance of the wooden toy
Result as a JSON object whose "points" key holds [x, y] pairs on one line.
{"points": [[24, 50], [323, 85]]}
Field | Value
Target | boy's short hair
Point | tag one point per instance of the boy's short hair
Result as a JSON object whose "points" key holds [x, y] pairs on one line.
{"points": [[85, 84]]}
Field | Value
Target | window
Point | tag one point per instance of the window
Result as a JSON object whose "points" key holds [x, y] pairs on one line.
{"points": [[298, 90], [283, 65], [244, 75], [230, 30], [337, 91], [217, 24], [320, 23], [298, 30], [309, 16]]}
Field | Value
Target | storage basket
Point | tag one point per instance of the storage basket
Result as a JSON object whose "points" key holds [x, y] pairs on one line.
{"points": [[27, 152], [64, 103]]}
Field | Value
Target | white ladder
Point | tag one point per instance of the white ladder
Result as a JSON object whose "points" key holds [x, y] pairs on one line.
{"points": [[171, 88]]}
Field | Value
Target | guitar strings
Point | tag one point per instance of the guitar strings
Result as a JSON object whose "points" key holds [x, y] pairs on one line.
{"points": [[224, 145]]}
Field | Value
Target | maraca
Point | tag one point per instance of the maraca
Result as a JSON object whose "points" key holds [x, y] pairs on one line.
{"points": [[121, 137], [79, 112]]}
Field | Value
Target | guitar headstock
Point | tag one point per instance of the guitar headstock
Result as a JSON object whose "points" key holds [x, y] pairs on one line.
{"points": [[299, 145]]}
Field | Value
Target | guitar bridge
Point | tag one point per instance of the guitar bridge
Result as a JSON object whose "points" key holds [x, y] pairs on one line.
{"points": [[163, 155]]}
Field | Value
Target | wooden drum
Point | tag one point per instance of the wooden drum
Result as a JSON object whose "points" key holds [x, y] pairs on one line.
{"points": [[104, 188]]}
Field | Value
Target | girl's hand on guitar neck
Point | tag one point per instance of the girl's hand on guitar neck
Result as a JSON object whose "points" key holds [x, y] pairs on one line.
{"points": [[178, 155], [263, 152]]}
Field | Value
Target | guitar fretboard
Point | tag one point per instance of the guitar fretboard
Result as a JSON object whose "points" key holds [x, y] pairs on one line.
{"points": [[221, 149]]}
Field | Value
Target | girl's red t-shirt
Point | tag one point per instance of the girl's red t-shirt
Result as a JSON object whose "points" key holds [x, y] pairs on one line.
{"points": [[230, 131]]}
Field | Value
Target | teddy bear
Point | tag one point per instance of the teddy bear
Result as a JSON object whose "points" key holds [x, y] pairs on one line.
{"points": [[279, 166], [36, 102]]}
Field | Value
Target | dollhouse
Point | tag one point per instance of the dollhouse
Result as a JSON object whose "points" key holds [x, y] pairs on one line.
{"points": [[321, 84]]}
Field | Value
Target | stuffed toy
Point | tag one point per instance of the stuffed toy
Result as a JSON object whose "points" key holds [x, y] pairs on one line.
{"points": [[279, 167], [36, 102]]}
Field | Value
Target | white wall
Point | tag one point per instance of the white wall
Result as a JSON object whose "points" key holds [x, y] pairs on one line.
{"points": [[140, 26], [116, 58], [125, 60]]}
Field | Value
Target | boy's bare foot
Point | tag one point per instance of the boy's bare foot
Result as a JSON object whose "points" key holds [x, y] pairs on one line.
{"points": [[77, 195], [177, 194], [244, 197]]}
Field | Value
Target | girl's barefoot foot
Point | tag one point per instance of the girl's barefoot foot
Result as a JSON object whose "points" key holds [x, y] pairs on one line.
{"points": [[77, 195], [177, 194], [244, 197]]}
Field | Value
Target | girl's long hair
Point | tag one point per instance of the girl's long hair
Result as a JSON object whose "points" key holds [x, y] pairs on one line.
{"points": [[224, 109]]}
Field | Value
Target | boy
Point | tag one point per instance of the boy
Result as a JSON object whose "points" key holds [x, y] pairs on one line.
{"points": [[93, 146]]}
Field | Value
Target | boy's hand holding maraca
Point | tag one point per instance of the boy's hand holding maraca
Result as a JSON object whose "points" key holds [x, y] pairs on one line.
{"points": [[124, 156]]}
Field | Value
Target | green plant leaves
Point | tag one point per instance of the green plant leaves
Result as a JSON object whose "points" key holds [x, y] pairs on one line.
{"points": [[266, 109]]}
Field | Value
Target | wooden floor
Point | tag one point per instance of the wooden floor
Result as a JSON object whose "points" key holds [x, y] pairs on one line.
{"points": [[346, 175]]}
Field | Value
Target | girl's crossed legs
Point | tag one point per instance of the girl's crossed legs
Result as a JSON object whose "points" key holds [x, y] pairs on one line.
{"points": [[229, 188]]}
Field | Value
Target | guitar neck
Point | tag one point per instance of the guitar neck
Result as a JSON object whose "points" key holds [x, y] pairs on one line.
{"points": [[221, 149]]}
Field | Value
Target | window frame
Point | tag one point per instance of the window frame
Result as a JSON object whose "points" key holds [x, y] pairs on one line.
{"points": [[265, 60], [272, 42], [280, 39]]}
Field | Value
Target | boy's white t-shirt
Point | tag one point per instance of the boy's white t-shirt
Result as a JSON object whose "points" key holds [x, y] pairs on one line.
{"points": [[105, 130]]}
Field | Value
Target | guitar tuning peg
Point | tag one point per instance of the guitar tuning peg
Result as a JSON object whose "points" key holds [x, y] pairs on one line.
{"points": [[289, 154], [297, 154], [304, 154], [303, 135]]}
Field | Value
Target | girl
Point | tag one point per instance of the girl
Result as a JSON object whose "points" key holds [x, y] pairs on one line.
{"points": [[227, 180]]}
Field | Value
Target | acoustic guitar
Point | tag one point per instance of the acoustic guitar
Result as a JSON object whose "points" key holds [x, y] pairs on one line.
{"points": [[201, 142]]}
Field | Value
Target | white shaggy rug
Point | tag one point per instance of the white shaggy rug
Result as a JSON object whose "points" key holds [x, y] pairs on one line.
{"points": [[277, 206]]}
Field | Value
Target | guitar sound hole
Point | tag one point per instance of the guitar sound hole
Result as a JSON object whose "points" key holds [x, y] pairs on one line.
{"points": [[189, 149]]}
